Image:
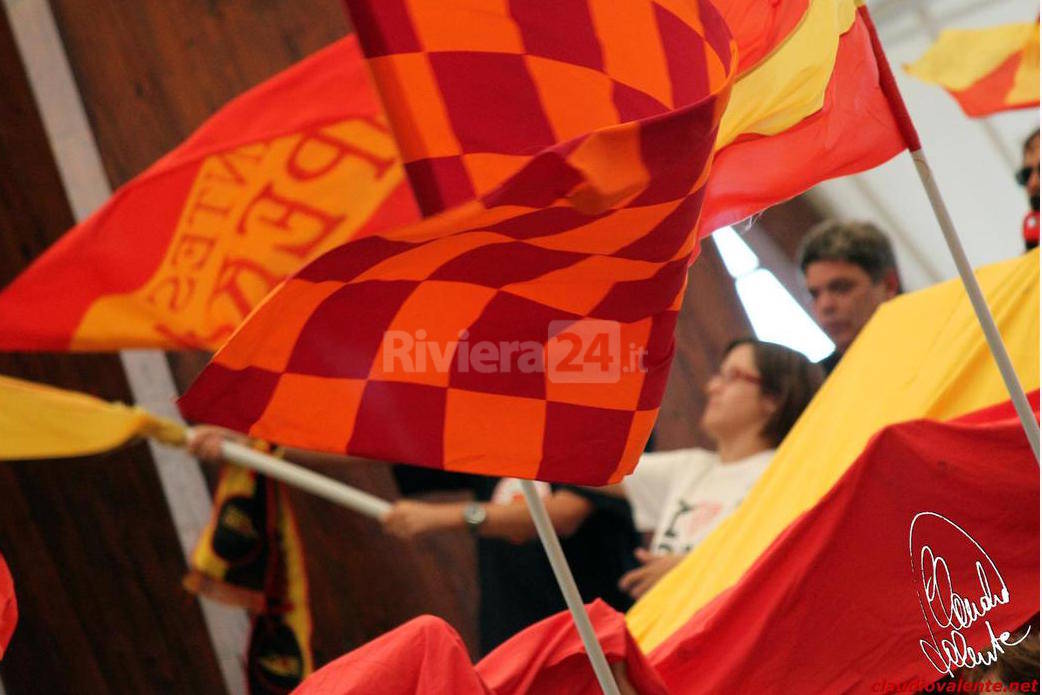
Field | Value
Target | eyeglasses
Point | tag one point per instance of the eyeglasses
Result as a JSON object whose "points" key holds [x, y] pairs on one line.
{"points": [[732, 375], [1024, 175]]}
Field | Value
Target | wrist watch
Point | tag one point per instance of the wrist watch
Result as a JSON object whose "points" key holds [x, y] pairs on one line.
{"points": [[474, 516]]}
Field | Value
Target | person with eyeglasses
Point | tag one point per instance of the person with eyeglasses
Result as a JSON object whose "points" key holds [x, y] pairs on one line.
{"points": [[754, 400], [1027, 177]]}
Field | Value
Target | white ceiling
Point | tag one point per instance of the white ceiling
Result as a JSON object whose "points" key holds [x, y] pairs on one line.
{"points": [[973, 159]]}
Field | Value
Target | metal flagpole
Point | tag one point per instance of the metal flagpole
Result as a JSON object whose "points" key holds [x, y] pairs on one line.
{"points": [[565, 580], [940, 210]]}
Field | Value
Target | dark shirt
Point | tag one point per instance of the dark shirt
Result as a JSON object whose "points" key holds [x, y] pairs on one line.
{"points": [[830, 362], [518, 587]]}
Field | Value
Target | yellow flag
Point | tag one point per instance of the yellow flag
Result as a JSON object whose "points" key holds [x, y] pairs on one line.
{"points": [[922, 355], [986, 70], [38, 421]]}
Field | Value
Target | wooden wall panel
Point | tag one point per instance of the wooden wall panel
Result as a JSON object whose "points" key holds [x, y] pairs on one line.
{"points": [[90, 543], [711, 317], [159, 86]]}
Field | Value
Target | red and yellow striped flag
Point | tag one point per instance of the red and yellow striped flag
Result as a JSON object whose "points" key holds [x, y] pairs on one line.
{"points": [[588, 158], [812, 102], [179, 255], [941, 369], [986, 70]]}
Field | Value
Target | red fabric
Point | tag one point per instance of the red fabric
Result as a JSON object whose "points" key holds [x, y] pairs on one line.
{"points": [[427, 657], [759, 27], [549, 657], [1030, 227], [120, 246], [855, 130], [833, 606], [592, 233], [989, 94], [889, 84], [423, 656], [8, 607]]}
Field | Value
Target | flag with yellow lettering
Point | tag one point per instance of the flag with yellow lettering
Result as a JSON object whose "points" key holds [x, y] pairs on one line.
{"points": [[180, 254]]}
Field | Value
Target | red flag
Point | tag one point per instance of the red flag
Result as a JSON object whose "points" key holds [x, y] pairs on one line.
{"points": [[862, 589], [926, 549], [426, 656], [853, 130], [179, 255]]}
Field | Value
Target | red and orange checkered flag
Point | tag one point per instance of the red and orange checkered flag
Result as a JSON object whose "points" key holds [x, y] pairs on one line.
{"points": [[528, 331]]}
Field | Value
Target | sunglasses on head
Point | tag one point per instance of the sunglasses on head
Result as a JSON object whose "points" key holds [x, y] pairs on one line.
{"points": [[1024, 174]]}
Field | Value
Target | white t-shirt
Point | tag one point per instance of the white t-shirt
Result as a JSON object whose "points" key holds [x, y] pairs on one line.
{"points": [[682, 495]]}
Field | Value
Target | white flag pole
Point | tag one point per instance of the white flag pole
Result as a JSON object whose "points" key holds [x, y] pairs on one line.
{"points": [[565, 580], [940, 210], [376, 508], [290, 473], [980, 306]]}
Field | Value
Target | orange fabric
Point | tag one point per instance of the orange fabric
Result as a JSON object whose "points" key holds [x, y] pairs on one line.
{"points": [[590, 237], [179, 255], [992, 93], [986, 70], [587, 65]]}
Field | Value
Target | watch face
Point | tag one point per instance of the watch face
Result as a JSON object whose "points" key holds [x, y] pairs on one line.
{"points": [[474, 514]]}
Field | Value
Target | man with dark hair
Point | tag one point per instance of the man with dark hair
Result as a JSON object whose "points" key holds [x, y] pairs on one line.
{"points": [[1027, 177], [849, 269]]}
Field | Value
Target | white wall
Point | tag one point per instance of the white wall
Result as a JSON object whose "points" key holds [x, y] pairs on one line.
{"points": [[974, 168]]}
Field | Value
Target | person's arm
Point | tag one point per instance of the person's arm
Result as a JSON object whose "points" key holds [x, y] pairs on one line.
{"points": [[207, 440], [617, 490], [638, 582], [412, 519]]}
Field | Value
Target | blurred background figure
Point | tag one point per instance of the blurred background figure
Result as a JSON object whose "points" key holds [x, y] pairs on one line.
{"points": [[754, 399], [849, 270], [1027, 177]]}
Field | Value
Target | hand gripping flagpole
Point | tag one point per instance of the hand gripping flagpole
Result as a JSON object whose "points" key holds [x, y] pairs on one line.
{"points": [[969, 280], [565, 580], [322, 486], [376, 508]]}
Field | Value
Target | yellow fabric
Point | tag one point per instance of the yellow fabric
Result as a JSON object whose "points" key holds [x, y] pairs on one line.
{"points": [[253, 216], [1026, 81], [38, 421], [790, 84], [922, 355], [961, 57]]}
